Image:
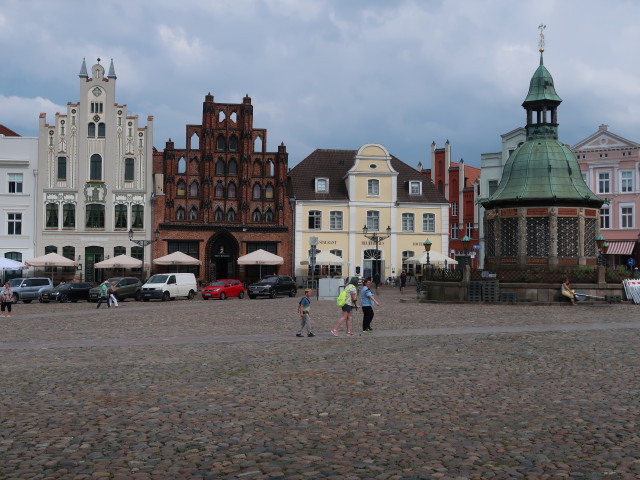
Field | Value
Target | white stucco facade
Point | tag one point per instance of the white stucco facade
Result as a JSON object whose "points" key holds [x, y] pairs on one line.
{"points": [[94, 177], [18, 163]]}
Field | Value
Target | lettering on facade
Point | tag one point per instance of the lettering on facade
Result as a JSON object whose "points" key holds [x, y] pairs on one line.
{"points": [[328, 242], [370, 243]]}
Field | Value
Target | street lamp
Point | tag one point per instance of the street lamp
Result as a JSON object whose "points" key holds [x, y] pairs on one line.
{"points": [[603, 246], [143, 244], [374, 237], [427, 248], [465, 245]]}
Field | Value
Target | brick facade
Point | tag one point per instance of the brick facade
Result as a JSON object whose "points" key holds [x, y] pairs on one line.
{"points": [[223, 196]]}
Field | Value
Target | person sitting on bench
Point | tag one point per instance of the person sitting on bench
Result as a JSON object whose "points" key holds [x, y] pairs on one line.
{"points": [[568, 292]]}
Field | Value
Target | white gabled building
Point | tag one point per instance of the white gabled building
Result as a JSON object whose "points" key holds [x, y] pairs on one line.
{"points": [[18, 162], [94, 177]]}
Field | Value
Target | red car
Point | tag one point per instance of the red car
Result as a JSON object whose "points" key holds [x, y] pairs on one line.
{"points": [[222, 289]]}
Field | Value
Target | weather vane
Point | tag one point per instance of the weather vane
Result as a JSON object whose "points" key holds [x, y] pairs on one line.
{"points": [[541, 27]]}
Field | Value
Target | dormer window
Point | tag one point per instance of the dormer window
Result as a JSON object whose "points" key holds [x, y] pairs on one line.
{"points": [[415, 187], [322, 185]]}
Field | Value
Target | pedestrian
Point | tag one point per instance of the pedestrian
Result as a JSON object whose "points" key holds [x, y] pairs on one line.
{"points": [[350, 303], [304, 307], [6, 297], [104, 294], [367, 299], [112, 294], [567, 291], [403, 281], [376, 281]]}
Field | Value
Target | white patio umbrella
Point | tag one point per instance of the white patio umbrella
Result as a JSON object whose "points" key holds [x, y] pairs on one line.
{"points": [[260, 257], [326, 258], [177, 258], [435, 258], [8, 264]]}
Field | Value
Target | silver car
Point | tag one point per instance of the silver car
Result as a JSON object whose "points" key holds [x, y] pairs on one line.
{"points": [[28, 289]]}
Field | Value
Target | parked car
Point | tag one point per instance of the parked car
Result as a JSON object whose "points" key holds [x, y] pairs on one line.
{"points": [[126, 287], [222, 289], [273, 285], [28, 289], [67, 292], [168, 286]]}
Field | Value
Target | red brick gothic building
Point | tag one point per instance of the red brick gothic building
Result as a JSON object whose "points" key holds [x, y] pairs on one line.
{"points": [[222, 196]]}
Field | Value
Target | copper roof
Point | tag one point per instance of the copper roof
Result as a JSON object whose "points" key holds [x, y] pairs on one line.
{"points": [[334, 165], [8, 132]]}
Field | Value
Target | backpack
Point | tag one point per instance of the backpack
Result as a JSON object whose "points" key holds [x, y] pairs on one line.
{"points": [[342, 298]]}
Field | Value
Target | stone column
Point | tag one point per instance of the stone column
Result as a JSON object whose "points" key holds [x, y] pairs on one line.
{"points": [[553, 237], [522, 237]]}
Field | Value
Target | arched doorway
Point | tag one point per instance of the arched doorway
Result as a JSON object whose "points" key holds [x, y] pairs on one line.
{"points": [[372, 263], [221, 258], [92, 256]]}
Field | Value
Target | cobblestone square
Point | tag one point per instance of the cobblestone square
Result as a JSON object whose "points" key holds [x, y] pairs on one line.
{"points": [[223, 389]]}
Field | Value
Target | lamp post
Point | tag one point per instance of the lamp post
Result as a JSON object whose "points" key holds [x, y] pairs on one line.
{"points": [[465, 245], [427, 248], [374, 237], [143, 244], [603, 246]]}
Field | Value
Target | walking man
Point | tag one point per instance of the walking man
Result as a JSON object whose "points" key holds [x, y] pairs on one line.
{"points": [[351, 296], [304, 307], [104, 294]]}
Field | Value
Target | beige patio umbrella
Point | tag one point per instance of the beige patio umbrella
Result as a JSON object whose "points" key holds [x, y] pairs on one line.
{"points": [[260, 257], [177, 258], [51, 260], [120, 261], [326, 258], [435, 258]]}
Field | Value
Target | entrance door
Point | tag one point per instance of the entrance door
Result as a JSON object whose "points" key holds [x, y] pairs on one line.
{"points": [[372, 263], [222, 260], [93, 255]]}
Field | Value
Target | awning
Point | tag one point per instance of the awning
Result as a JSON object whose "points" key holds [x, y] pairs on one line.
{"points": [[620, 248]]}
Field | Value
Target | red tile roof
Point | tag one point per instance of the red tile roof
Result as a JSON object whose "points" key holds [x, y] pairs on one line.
{"points": [[8, 132], [334, 164], [472, 174]]}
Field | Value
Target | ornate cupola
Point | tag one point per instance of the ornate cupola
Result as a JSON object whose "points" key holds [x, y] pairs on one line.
{"points": [[542, 212]]}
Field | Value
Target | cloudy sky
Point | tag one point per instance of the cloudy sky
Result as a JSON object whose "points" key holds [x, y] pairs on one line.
{"points": [[331, 73]]}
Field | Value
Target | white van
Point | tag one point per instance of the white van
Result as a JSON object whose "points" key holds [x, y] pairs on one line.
{"points": [[167, 286]]}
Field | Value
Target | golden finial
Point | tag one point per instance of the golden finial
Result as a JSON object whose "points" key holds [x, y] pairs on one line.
{"points": [[541, 27]]}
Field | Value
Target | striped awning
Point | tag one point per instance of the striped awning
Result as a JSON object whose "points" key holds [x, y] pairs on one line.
{"points": [[620, 248]]}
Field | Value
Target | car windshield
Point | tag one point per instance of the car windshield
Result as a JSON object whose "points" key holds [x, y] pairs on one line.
{"points": [[217, 284], [15, 282], [158, 279], [269, 280], [62, 286]]}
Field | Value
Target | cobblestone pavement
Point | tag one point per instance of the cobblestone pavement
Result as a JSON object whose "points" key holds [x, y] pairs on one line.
{"points": [[224, 389]]}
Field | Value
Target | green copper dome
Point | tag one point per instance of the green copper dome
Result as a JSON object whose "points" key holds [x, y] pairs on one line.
{"points": [[541, 86], [542, 172]]}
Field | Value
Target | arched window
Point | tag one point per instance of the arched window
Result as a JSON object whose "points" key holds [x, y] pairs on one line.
{"points": [[95, 167], [121, 216], [268, 192], [182, 165], [68, 215], [233, 167], [193, 189], [101, 130], [221, 116], [257, 169], [129, 166], [231, 190], [233, 143], [194, 143], [221, 144], [257, 144], [270, 168], [95, 216], [220, 167], [193, 213], [137, 216], [120, 250], [268, 216], [51, 215], [257, 216], [218, 215], [69, 252], [219, 190], [50, 249], [91, 130], [181, 188], [231, 215], [180, 213], [257, 192]]}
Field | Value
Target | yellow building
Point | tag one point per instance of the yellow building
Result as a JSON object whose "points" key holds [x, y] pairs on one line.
{"points": [[337, 193]]}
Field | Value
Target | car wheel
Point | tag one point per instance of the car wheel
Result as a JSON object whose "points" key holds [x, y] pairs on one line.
{"points": [[292, 292], [26, 301], [241, 294], [223, 296], [272, 294], [166, 296], [252, 297], [15, 298], [191, 295], [137, 296], [62, 299]]}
